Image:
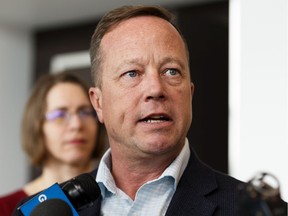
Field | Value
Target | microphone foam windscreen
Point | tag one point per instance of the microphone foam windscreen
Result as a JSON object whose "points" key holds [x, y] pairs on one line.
{"points": [[55, 207]]}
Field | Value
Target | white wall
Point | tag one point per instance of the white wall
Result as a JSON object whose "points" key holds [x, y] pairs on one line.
{"points": [[258, 89], [15, 67]]}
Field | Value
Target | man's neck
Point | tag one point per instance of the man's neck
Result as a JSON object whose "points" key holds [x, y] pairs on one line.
{"points": [[130, 173]]}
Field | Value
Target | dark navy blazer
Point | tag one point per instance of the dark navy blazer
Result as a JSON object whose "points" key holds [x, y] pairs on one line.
{"points": [[201, 191]]}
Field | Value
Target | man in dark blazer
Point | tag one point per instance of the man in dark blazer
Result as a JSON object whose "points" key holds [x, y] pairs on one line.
{"points": [[143, 94]]}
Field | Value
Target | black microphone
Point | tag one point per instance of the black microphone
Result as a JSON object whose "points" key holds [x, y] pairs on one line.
{"points": [[82, 190], [55, 207], [77, 193]]}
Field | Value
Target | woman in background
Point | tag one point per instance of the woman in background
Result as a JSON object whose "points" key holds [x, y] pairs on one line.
{"points": [[60, 134]]}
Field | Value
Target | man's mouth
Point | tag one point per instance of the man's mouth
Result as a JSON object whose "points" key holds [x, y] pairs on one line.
{"points": [[156, 119]]}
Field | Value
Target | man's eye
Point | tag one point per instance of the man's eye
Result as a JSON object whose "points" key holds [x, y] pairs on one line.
{"points": [[131, 73], [172, 72]]}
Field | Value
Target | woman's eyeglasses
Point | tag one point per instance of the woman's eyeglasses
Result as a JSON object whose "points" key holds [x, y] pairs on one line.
{"points": [[61, 116]]}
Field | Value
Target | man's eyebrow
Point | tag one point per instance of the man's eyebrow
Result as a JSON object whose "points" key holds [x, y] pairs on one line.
{"points": [[128, 64], [173, 60], [135, 61]]}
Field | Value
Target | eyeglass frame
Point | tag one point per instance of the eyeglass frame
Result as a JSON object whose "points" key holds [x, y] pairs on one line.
{"points": [[63, 116]]}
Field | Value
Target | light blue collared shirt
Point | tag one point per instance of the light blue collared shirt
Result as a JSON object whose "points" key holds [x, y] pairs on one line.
{"points": [[152, 198]]}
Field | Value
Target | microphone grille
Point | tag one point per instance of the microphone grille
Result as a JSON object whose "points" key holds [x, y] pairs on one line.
{"points": [[55, 207]]}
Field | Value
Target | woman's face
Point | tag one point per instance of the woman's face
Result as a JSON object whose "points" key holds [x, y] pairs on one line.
{"points": [[70, 128]]}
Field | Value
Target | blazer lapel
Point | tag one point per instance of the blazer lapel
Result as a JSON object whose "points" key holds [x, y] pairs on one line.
{"points": [[196, 182]]}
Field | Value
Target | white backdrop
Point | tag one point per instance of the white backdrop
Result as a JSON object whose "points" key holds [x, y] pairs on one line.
{"points": [[15, 67], [258, 89]]}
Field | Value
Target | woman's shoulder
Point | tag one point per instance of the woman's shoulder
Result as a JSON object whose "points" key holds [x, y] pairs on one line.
{"points": [[9, 201]]}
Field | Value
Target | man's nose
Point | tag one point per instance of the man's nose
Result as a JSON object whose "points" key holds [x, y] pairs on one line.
{"points": [[154, 86]]}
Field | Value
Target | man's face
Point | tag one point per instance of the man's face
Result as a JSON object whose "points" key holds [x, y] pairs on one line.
{"points": [[145, 100]]}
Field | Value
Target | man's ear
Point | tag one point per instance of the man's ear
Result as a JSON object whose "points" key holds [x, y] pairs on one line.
{"points": [[95, 95], [192, 89]]}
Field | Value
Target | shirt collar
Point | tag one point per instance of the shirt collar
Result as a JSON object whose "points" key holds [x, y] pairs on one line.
{"points": [[104, 177], [178, 166], [175, 170]]}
